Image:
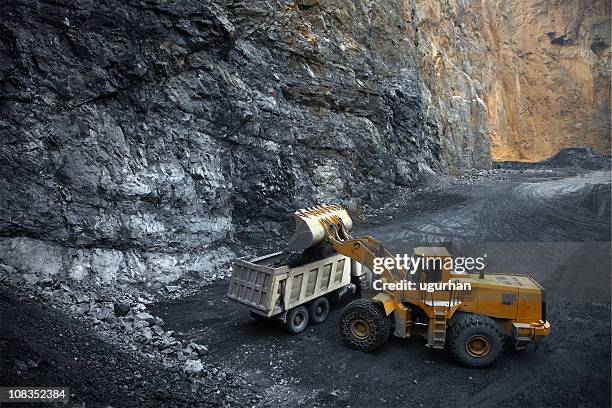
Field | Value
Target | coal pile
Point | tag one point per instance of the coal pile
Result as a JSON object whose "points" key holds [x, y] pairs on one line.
{"points": [[577, 157]]}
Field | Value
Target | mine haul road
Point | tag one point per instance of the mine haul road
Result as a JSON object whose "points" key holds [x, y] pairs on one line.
{"points": [[552, 226]]}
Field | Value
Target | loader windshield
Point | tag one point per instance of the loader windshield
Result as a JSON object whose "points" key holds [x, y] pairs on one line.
{"points": [[430, 269]]}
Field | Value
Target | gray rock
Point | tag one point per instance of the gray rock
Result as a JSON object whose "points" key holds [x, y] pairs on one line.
{"points": [[30, 279], [200, 349], [193, 367], [121, 309], [147, 333], [307, 3], [83, 308], [66, 288], [8, 269], [23, 366], [80, 298], [172, 288], [127, 327], [103, 313], [147, 317], [47, 295], [158, 330], [139, 307], [66, 298], [140, 324], [166, 343]]}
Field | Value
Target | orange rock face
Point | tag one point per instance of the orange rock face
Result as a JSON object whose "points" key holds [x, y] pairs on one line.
{"points": [[529, 77]]}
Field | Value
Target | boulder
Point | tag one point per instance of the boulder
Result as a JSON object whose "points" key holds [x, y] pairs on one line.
{"points": [[200, 349], [121, 309], [103, 313], [193, 367], [147, 317]]}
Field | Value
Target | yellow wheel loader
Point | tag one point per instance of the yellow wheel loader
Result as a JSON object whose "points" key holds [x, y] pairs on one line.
{"points": [[475, 323]]}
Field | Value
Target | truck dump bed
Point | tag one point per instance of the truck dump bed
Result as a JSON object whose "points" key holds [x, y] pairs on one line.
{"points": [[270, 289]]}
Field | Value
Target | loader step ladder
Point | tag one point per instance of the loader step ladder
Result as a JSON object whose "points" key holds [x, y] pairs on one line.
{"points": [[436, 333]]}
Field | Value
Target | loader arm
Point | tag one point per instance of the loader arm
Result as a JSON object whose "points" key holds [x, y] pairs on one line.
{"points": [[360, 249]]}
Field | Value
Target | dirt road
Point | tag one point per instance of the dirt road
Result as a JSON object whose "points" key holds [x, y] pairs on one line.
{"points": [[556, 229]]}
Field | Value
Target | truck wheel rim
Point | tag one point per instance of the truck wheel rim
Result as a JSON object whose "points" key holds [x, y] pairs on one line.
{"points": [[298, 319], [360, 329], [478, 346]]}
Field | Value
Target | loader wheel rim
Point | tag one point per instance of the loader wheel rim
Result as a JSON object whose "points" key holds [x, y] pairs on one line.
{"points": [[360, 329], [478, 346]]}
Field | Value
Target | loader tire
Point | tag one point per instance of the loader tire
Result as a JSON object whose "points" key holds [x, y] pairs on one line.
{"points": [[364, 325], [476, 341], [318, 310], [297, 320]]}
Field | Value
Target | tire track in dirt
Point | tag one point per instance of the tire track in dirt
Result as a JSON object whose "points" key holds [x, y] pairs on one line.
{"points": [[542, 211]]}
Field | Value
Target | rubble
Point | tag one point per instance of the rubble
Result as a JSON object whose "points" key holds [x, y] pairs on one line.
{"points": [[128, 318]]}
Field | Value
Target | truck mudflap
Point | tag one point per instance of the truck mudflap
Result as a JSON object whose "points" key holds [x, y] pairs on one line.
{"points": [[525, 333]]}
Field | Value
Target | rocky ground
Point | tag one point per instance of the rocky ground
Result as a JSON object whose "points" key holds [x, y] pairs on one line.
{"points": [[188, 346], [110, 354]]}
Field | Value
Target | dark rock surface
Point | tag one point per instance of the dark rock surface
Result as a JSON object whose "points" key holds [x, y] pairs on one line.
{"points": [[576, 157], [139, 136]]}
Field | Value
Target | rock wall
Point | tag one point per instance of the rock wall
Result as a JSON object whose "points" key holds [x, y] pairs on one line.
{"points": [[529, 77], [139, 136]]}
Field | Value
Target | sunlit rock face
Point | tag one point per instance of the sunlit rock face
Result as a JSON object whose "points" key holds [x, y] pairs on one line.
{"points": [[527, 77]]}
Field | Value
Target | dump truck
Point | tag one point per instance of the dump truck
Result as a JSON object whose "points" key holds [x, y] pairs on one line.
{"points": [[277, 287], [475, 324]]}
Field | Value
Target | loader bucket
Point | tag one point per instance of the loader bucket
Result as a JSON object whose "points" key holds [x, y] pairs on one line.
{"points": [[308, 228]]}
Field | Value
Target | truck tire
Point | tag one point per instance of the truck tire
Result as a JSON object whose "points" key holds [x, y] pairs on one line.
{"points": [[318, 310], [297, 320], [476, 341], [364, 325]]}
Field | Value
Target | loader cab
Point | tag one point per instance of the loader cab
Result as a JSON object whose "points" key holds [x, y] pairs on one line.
{"points": [[434, 265]]}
